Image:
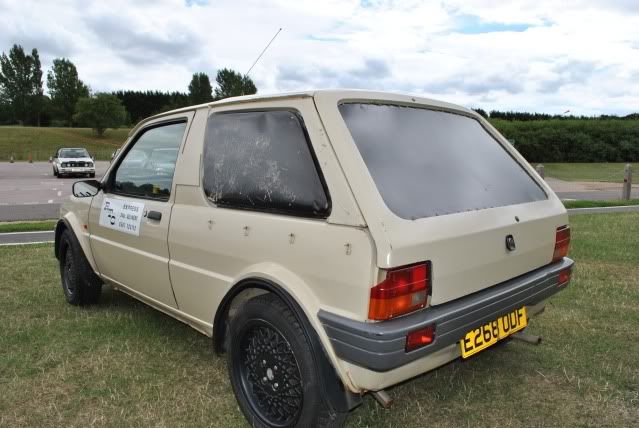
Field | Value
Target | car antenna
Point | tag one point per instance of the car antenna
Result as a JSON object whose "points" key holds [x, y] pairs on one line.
{"points": [[262, 53]]}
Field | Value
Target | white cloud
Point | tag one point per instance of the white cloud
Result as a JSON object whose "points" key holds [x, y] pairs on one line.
{"points": [[533, 55]]}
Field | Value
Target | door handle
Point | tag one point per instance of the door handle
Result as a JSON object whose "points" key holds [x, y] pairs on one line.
{"points": [[154, 215]]}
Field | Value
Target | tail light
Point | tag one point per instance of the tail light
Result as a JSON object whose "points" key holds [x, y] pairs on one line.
{"points": [[564, 276], [404, 290], [419, 338], [562, 243]]}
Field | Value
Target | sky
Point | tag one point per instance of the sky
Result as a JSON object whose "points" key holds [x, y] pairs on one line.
{"points": [[524, 55]]}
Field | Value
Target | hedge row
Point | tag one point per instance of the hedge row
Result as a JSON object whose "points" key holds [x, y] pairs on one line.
{"points": [[573, 140]]}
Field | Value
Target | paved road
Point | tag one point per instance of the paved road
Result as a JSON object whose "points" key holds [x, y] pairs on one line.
{"points": [[25, 237], [592, 190], [604, 210], [30, 191]]}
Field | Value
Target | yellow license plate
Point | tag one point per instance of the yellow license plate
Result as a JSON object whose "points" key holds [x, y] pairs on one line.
{"points": [[487, 335]]}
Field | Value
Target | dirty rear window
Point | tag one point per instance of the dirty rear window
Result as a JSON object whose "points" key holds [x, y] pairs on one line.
{"points": [[262, 161], [427, 163]]}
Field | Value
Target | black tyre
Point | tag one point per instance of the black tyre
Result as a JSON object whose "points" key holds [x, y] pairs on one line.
{"points": [[272, 368], [80, 284], [55, 172]]}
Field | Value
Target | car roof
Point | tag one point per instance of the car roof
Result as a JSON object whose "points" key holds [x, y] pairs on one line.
{"points": [[336, 93]]}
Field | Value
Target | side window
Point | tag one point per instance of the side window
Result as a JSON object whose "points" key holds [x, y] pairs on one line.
{"points": [[147, 169], [262, 161]]}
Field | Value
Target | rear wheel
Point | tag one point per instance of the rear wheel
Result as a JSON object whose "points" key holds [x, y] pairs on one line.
{"points": [[80, 284], [272, 368]]}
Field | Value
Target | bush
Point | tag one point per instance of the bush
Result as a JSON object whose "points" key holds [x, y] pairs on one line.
{"points": [[100, 112], [573, 140]]}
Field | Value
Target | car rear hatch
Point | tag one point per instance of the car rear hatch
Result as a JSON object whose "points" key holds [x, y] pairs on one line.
{"points": [[436, 183], [468, 251]]}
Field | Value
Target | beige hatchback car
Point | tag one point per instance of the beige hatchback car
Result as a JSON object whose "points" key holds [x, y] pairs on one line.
{"points": [[331, 243]]}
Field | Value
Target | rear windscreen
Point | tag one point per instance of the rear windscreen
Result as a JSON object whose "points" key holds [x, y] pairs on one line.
{"points": [[427, 163]]}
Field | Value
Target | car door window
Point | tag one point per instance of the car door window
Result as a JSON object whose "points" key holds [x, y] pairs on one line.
{"points": [[147, 169], [263, 161]]}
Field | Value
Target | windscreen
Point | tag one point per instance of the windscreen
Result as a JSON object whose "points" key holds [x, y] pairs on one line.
{"points": [[427, 163], [74, 153]]}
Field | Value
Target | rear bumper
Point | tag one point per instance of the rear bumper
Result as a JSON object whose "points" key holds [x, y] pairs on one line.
{"points": [[380, 346]]}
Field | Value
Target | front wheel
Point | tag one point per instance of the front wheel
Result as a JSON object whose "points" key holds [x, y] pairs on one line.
{"points": [[79, 283], [273, 370]]}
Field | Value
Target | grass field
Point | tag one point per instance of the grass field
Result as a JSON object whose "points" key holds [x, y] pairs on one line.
{"points": [[121, 363], [43, 142], [611, 172], [27, 226]]}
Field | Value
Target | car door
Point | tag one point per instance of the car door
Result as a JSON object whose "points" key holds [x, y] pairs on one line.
{"points": [[129, 220]]}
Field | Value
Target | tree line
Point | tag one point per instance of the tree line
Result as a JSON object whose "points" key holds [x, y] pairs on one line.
{"points": [[141, 104], [526, 117], [71, 102], [573, 140]]}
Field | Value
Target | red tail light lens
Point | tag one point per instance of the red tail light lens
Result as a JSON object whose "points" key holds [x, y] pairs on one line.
{"points": [[419, 338], [564, 276], [404, 290], [562, 243]]}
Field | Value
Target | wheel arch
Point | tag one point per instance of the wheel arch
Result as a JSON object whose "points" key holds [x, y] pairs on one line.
{"points": [[67, 223], [338, 396], [60, 227]]}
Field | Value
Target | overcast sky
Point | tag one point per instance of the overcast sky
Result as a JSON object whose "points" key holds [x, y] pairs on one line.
{"points": [[527, 55]]}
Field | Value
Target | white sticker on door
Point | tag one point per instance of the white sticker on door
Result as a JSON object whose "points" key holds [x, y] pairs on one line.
{"points": [[124, 216]]}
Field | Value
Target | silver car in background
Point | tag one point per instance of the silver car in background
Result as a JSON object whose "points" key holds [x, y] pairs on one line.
{"points": [[73, 161]]}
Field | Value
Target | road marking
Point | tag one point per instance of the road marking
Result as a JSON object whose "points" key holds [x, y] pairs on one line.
{"points": [[31, 203], [50, 201], [25, 243], [59, 192], [24, 233]]}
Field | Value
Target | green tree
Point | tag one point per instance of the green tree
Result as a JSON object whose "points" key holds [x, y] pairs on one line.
{"points": [[37, 98], [65, 88], [200, 90], [232, 84], [18, 81], [100, 112]]}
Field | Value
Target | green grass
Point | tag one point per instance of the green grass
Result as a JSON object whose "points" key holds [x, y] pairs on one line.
{"points": [[610, 172], [42, 143], [595, 204], [121, 363], [28, 226]]}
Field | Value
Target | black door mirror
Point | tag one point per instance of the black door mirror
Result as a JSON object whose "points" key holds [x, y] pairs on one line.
{"points": [[86, 188]]}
